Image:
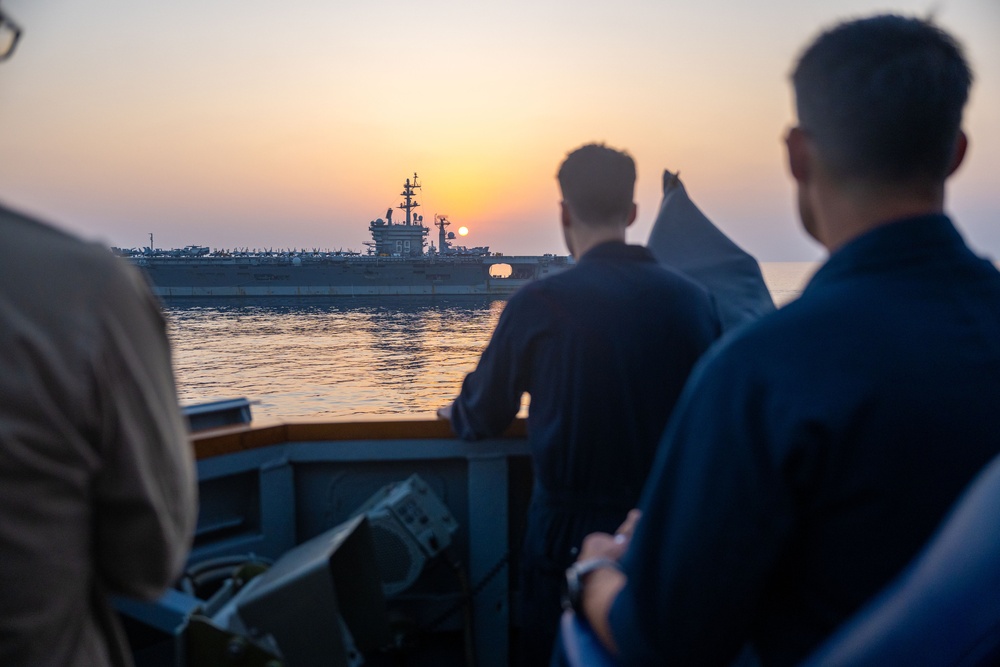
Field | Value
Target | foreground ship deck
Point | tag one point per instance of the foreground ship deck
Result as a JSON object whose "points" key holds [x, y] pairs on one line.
{"points": [[266, 489], [291, 505]]}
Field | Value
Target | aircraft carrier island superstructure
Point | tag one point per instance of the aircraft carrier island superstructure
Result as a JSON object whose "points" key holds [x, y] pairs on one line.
{"points": [[398, 262]]}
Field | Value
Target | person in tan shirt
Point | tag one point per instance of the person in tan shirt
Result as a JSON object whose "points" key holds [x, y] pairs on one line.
{"points": [[97, 483]]}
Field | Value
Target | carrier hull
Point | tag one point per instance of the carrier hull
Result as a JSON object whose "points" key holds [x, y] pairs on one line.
{"points": [[178, 277]]}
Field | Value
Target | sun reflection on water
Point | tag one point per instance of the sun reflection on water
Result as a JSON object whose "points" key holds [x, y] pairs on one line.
{"points": [[334, 359], [330, 360]]}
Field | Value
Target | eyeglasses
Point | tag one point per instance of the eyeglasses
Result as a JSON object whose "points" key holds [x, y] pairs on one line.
{"points": [[10, 32]]}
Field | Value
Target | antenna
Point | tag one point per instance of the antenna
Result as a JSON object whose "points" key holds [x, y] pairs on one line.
{"points": [[408, 194]]}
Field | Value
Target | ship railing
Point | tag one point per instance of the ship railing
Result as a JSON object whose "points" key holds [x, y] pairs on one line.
{"points": [[267, 487]]}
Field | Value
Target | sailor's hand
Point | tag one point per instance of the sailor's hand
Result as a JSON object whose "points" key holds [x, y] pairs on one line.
{"points": [[445, 412], [604, 581], [624, 533], [613, 547]]}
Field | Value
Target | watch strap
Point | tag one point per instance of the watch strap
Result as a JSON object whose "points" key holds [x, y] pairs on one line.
{"points": [[575, 574]]}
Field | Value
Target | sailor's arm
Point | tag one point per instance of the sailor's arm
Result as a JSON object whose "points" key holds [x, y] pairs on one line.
{"points": [[603, 583], [145, 498], [491, 394]]}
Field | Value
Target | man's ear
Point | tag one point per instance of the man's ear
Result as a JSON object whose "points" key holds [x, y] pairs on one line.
{"points": [[961, 146], [632, 214], [797, 144], [564, 215]]}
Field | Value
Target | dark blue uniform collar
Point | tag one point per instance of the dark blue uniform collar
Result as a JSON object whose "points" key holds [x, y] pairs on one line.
{"points": [[901, 242], [617, 250]]}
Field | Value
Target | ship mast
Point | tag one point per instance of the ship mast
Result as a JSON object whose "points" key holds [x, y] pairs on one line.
{"points": [[408, 193], [403, 239], [441, 221]]}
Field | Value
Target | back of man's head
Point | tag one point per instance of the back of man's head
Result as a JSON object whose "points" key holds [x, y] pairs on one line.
{"points": [[882, 97], [598, 184]]}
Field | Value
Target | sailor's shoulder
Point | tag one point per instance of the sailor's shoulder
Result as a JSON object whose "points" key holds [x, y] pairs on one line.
{"points": [[44, 253]]}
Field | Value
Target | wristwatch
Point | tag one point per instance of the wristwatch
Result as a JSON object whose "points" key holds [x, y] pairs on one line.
{"points": [[575, 573]]}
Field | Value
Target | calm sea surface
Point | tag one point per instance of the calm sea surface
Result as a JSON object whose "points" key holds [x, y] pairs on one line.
{"points": [[336, 358]]}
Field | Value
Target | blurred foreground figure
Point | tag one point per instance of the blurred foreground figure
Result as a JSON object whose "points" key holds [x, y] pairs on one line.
{"points": [[815, 451], [943, 610], [97, 490], [603, 349]]}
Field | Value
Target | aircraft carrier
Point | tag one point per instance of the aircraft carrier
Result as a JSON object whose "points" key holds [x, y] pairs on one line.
{"points": [[398, 261]]}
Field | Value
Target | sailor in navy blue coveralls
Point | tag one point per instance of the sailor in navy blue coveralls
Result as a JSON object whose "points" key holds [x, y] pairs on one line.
{"points": [[603, 349], [815, 452]]}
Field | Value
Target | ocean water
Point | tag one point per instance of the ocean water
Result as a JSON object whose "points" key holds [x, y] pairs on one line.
{"points": [[340, 358]]}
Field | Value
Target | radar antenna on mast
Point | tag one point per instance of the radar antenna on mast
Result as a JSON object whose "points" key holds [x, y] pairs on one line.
{"points": [[441, 221], [408, 193]]}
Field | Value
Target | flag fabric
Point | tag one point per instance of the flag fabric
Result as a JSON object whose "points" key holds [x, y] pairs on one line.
{"points": [[684, 239]]}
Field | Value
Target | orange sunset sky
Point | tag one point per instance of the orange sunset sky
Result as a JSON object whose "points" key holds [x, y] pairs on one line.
{"points": [[264, 124]]}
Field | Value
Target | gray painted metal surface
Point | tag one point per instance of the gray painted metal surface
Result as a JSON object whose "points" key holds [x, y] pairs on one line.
{"points": [[265, 501], [291, 276]]}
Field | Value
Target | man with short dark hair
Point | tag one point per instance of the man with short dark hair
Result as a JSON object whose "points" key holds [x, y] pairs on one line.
{"points": [[814, 452], [603, 349], [97, 484]]}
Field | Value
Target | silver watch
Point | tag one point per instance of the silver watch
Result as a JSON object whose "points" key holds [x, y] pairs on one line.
{"points": [[575, 573]]}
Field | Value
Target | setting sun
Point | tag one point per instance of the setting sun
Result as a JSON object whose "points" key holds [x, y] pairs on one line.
{"points": [[462, 231], [211, 140]]}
